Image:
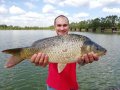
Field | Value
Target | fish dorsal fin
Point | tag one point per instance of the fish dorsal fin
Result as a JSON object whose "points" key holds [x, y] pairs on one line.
{"points": [[61, 67]]}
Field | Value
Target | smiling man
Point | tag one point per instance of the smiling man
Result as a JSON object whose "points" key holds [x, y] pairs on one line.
{"points": [[66, 80]]}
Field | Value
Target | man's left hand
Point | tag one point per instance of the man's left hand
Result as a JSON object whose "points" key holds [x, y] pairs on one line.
{"points": [[88, 58]]}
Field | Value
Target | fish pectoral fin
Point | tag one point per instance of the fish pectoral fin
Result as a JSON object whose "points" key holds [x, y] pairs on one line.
{"points": [[61, 67]]}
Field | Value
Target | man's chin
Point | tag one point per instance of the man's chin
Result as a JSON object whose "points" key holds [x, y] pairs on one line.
{"points": [[62, 33]]}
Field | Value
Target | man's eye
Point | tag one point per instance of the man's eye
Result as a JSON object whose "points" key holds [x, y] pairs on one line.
{"points": [[59, 25], [65, 25]]}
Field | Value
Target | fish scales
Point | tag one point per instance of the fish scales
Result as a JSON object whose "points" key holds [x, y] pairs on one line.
{"points": [[60, 49]]}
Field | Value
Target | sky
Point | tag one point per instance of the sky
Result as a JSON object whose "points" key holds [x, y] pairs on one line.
{"points": [[42, 12]]}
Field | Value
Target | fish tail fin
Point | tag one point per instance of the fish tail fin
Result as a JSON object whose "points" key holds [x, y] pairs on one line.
{"points": [[12, 61], [14, 51], [15, 58]]}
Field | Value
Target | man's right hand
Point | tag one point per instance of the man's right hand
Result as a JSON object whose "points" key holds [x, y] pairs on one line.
{"points": [[39, 59]]}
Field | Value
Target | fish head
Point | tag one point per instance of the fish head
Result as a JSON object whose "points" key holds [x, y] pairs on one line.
{"points": [[90, 46]]}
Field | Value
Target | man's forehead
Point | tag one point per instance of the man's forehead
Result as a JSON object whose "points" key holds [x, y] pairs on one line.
{"points": [[61, 18]]}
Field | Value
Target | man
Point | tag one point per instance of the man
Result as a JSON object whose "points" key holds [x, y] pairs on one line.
{"points": [[66, 80]]}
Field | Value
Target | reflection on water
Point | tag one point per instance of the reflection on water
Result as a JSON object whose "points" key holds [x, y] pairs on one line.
{"points": [[25, 76]]}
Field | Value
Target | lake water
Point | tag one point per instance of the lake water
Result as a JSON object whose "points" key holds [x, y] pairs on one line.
{"points": [[25, 76]]}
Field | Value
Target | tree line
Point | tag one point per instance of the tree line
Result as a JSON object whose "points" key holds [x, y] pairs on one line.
{"points": [[109, 22], [5, 27]]}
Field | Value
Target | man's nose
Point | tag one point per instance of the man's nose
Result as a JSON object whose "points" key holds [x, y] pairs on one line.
{"points": [[61, 28]]}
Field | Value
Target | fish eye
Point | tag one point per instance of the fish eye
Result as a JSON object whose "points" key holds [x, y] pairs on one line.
{"points": [[97, 48]]}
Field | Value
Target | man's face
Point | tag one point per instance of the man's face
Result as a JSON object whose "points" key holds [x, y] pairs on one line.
{"points": [[61, 26]]}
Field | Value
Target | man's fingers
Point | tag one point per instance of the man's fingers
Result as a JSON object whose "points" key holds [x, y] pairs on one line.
{"points": [[80, 60], [41, 61], [96, 58], [45, 61], [33, 58], [38, 57], [86, 59], [91, 58]]}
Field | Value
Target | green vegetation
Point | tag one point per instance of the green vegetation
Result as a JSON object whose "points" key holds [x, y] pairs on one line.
{"points": [[107, 24], [5, 27]]}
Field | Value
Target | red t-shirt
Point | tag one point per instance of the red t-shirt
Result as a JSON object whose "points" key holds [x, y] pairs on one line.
{"points": [[66, 80]]}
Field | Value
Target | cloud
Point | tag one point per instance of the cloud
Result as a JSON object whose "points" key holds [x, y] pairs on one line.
{"points": [[30, 5], [81, 14], [28, 19], [75, 3], [83, 3], [11, 14], [111, 10], [67, 2], [95, 4], [2, 1], [102, 3], [59, 12], [32, 15], [64, 3], [48, 9], [16, 10], [34, 0], [51, 1], [3, 10], [77, 17]]}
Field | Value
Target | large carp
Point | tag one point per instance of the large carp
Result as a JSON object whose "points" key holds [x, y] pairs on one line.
{"points": [[60, 49]]}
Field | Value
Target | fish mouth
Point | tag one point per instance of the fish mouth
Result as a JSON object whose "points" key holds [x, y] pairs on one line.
{"points": [[102, 53], [105, 52]]}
